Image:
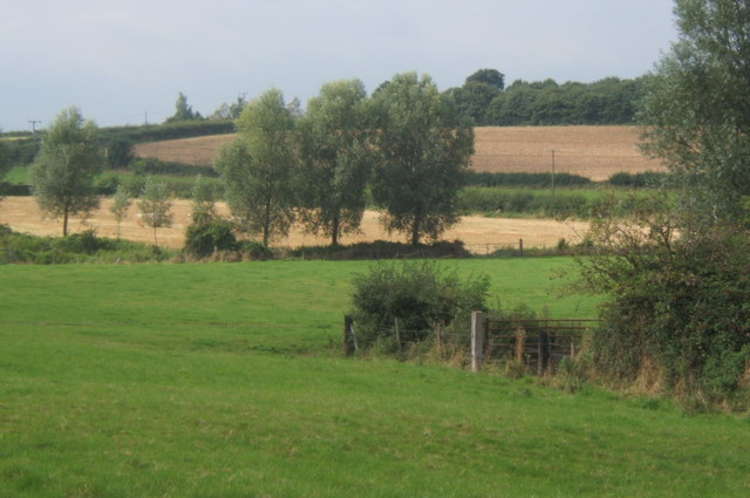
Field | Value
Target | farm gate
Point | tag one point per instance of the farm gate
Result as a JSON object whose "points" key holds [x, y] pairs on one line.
{"points": [[539, 344]]}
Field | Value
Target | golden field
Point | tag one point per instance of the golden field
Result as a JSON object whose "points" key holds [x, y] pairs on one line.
{"points": [[596, 152], [480, 234]]}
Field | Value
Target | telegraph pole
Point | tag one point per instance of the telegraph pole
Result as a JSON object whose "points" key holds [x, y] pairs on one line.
{"points": [[553, 173], [33, 125]]}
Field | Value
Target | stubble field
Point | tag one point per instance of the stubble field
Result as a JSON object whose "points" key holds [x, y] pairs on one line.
{"points": [[596, 152], [480, 234]]}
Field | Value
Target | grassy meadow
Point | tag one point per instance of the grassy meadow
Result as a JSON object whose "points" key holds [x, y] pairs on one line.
{"points": [[220, 380]]}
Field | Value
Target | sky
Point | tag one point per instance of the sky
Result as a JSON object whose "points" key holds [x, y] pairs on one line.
{"points": [[125, 62]]}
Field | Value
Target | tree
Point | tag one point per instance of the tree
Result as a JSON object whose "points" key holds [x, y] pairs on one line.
{"points": [[423, 153], [120, 205], [155, 206], [335, 157], [696, 113], [203, 202], [257, 168], [4, 159], [63, 175], [230, 111], [183, 111], [491, 77]]}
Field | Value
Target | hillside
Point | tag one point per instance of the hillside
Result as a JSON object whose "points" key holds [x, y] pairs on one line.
{"points": [[593, 151]]}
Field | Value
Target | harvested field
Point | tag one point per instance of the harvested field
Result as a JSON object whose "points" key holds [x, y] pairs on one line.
{"points": [[480, 234], [597, 152], [199, 151]]}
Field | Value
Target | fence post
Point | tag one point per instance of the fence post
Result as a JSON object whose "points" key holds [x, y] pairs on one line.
{"points": [[520, 247], [349, 345], [478, 334], [398, 334]]}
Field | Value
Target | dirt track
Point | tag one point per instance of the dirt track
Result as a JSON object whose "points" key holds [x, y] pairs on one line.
{"points": [[480, 234]]}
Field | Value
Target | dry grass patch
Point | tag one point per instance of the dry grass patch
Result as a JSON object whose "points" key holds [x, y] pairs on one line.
{"points": [[479, 233]]}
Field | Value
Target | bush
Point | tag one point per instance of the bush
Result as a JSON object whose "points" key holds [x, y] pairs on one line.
{"points": [[84, 247], [119, 153], [382, 249], [418, 296], [677, 313], [153, 166], [203, 239], [542, 203], [255, 250], [646, 179], [538, 180]]}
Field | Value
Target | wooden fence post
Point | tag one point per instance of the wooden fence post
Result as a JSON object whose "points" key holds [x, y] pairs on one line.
{"points": [[398, 334], [478, 335], [349, 344], [520, 247]]}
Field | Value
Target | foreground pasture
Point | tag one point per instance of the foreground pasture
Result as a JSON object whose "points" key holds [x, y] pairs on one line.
{"points": [[222, 380], [479, 233]]}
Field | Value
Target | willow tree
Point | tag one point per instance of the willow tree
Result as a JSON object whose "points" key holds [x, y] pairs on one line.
{"points": [[335, 158], [257, 168], [423, 148], [63, 175], [696, 111]]}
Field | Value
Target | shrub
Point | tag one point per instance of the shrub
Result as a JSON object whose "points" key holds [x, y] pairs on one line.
{"points": [[677, 310], [255, 250], [203, 239], [646, 179], [418, 297], [84, 247], [539, 180], [382, 249]]}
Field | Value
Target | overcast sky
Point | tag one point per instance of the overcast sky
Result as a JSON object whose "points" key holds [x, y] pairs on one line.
{"points": [[119, 60]]}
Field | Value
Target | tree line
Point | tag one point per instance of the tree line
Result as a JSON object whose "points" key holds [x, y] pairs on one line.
{"points": [[486, 101], [407, 144]]}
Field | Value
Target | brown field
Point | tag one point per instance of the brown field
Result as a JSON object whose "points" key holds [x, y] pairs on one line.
{"points": [[480, 234], [593, 151]]}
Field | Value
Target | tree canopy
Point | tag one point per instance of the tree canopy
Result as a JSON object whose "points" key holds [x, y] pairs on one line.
{"points": [[335, 157], [257, 168], [423, 150], [696, 112], [183, 111], [63, 175]]}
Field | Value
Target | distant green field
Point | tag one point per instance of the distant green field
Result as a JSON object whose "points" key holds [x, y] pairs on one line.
{"points": [[221, 380], [19, 175]]}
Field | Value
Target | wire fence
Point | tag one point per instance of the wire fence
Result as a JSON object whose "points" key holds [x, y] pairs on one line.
{"points": [[539, 345]]}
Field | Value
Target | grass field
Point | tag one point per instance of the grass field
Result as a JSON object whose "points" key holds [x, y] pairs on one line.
{"points": [[224, 380], [596, 152]]}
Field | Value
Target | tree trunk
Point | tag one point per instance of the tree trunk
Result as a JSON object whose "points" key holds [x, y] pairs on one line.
{"points": [[65, 221], [415, 235], [267, 223], [335, 231]]}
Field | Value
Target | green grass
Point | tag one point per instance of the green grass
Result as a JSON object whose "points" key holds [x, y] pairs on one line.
{"points": [[19, 175], [225, 380]]}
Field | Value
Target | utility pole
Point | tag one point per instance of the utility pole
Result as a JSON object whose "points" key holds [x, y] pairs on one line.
{"points": [[145, 118], [33, 125], [553, 173]]}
